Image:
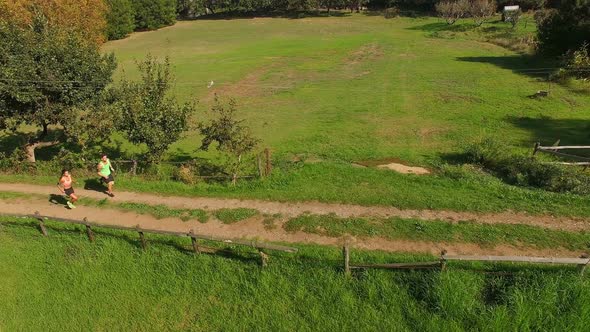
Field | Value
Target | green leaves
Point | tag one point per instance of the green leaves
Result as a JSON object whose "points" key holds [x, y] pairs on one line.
{"points": [[149, 116]]}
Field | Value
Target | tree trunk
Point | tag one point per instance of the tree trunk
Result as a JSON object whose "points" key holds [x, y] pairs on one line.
{"points": [[235, 174], [37, 143]]}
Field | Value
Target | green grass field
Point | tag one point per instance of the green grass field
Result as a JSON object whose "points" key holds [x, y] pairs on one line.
{"points": [[362, 87], [65, 283]]}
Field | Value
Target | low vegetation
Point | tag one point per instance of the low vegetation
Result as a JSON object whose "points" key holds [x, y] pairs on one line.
{"points": [[230, 216], [439, 231], [65, 276]]}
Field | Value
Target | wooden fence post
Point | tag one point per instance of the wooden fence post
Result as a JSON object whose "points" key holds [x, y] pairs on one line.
{"points": [[141, 237], [263, 258], [443, 261], [194, 242], [268, 165], [41, 224], [346, 254], [537, 144], [134, 168], [89, 230], [259, 164]]}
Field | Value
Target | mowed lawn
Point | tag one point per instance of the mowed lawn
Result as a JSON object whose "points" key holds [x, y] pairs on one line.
{"points": [[361, 87]]}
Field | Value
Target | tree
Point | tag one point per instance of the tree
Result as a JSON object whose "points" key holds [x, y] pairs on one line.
{"points": [[83, 17], [46, 74], [482, 10], [120, 19], [513, 16], [232, 136], [149, 115], [154, 14], [452, 11], [565, 28]]}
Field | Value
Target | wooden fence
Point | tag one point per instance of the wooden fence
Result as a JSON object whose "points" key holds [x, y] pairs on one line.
{"points": [[581, 262], [558, 151], [195, 238]]}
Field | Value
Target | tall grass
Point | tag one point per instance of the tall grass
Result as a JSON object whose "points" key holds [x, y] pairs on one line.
{"points": [[65, 283]]}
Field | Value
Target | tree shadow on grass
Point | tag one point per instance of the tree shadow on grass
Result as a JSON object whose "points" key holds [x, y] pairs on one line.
{"points": [[443, 26], [547, 130], [241, 15], [528, 65]]}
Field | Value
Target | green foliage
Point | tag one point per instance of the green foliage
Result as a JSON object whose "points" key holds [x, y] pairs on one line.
{"points": [[231, 135], [120, 19], [526, 171], [230, 216], [565, 28], [47, 75], [577, 63], [149, 115], [161, 211], [186, 174], [154, 14]]}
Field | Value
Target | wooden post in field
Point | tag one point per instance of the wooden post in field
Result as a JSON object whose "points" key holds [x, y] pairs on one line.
{"points": [[141, 237], [263, 258], [134, 168], [443, 261], [194, 242], [41, 224], [346, 254], [537, 144], [89, 230], [259, 164], [268, 165]]}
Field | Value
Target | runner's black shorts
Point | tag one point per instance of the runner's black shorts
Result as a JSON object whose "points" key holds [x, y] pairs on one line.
{"points": [[108, 180], [69, 191]]}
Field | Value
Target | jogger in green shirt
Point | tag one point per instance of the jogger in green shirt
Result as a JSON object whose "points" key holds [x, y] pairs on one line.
{"points": [[105, 171]]}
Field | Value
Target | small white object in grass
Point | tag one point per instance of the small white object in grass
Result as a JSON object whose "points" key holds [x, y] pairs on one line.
{"points": [[210, 84]]}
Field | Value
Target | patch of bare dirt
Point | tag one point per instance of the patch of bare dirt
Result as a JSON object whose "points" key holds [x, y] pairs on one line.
{"points": [[254, 229], [401, 168], [297, 208]]}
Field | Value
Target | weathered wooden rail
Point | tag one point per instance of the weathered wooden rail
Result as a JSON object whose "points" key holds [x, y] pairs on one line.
{"points": [[195, 238], [556, 150], [581, 262]]}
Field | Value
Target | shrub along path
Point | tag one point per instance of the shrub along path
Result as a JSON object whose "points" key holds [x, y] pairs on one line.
{"points": [[256, 227]]}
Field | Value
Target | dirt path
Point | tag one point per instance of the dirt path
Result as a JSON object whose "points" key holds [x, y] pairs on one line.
{"points": [[253, 228], [298, 208]]}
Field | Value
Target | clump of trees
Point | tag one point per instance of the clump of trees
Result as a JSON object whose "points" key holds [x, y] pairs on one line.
{"points": [[565, 28], [47, 76], [85, 18]]}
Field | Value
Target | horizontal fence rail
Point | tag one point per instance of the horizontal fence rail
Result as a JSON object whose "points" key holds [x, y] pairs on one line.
{"points": [[581, 262], [195, 238], [556, 150]]}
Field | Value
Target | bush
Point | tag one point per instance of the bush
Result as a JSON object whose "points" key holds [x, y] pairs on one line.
{"points": [[120, 19], [391, 12], [186, 174], [154, 14], [526, 171], [577, 63], [564, 29]]}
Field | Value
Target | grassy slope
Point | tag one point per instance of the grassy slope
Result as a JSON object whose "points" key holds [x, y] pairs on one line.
{"points": [[359, 87], [65, 283]]}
